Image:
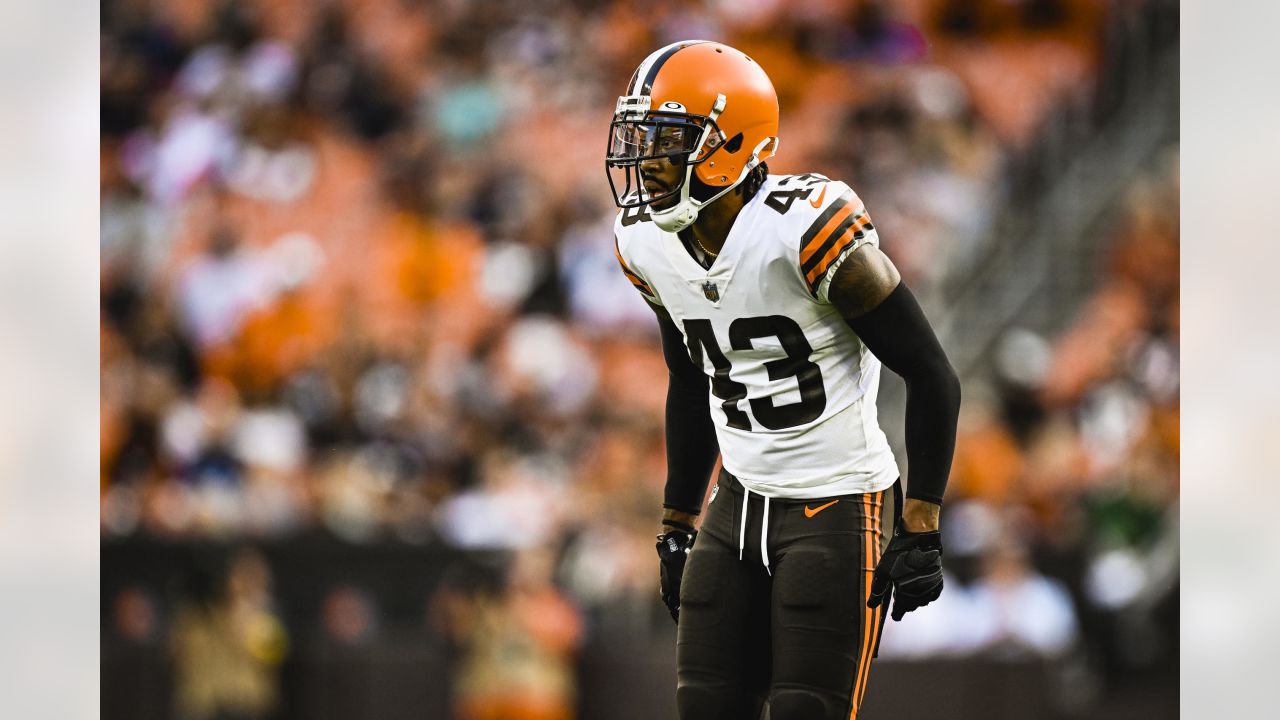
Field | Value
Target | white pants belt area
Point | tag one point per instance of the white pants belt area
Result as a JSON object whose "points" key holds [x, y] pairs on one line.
{"points": [[764, 529]]}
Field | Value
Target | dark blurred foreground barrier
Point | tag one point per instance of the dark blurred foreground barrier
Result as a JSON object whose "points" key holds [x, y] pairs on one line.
{"points": [[401, 670], [632, 683], [394, 679]]}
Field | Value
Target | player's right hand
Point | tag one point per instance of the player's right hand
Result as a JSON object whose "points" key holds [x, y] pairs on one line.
{"points": [[910, 571], [673, 550]]}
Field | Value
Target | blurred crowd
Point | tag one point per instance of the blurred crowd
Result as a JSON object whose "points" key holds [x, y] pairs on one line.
{"points": [[1062, 514], [358, 278]]}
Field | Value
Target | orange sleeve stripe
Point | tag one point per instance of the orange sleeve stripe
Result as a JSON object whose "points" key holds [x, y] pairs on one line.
{"points": [[851, 235], [836, 236], [617, 252], [643, 288], [839, 203], [635, 279], [811, 247]]}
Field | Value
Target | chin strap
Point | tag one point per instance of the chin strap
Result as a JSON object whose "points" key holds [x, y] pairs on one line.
{"points": [[685, 213], [675, 219]]}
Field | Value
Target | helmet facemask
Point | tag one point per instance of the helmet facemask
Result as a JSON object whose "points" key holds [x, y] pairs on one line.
{"points": [[637, 136], [632, 143]]}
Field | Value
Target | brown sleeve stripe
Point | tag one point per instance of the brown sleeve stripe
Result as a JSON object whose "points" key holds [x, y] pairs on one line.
{"points": [[825, 221], [641, 285], [831, 230], [812, 255], [634, 278], [849, 233]]}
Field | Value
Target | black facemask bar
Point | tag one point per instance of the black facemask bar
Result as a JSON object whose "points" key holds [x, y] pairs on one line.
{"points": [[634, 142]]}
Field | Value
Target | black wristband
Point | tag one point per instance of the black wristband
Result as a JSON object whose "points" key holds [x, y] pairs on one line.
{"points": [[927, 497], [684, 526]]}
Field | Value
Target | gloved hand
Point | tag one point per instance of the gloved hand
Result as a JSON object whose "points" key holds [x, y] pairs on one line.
{"points": [[673, 550], [910, 570]]}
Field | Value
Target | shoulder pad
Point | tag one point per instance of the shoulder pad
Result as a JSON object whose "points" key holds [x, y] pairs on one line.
{"points": [[645, 289]]}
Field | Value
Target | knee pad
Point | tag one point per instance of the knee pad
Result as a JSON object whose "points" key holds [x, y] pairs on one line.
{"points": [[724, 702], [801, 705]]}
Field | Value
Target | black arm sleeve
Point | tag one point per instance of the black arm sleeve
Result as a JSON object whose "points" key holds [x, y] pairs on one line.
{"points": [[897, 332], [691, 437]]}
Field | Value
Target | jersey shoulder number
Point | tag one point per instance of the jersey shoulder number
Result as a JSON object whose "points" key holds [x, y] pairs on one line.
{"points": [[629, 216]]}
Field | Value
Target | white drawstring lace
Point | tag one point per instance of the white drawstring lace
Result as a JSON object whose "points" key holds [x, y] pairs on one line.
{"points": [[764, 529], [764, 537]]}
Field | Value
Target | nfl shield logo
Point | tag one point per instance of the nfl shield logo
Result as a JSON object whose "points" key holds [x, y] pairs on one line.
{"points": [[711, 290]]}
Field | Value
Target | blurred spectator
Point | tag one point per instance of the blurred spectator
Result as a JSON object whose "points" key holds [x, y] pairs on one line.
{"points": [[228, 644], [220, 289], [1017, 611], [518, 648], [135, 616], [515, 506], [988, 464], [349, 616]]}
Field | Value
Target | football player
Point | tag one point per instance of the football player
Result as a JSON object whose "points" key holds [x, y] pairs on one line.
{"points": [[776, 308]]}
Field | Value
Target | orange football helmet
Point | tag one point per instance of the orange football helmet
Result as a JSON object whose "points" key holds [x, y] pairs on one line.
{"points": [[700, 103]]}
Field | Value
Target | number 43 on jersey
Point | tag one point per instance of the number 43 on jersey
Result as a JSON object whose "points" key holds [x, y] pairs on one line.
{"points": [[743, 332]]}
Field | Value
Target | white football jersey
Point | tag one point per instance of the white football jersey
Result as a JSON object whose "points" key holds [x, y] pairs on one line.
{"points": [[793, 389]]}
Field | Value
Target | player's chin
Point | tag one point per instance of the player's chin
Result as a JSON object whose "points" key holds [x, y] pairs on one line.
{"points": [[665, 203]]}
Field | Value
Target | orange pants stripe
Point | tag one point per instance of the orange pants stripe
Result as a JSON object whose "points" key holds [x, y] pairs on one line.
{"points": [[872, 538]]}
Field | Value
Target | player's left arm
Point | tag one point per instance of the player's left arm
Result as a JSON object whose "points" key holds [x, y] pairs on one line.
{"points": [[869, 293]]}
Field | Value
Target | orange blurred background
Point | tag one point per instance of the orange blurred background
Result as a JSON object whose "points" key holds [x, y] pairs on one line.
{"points": [[377, 402]]}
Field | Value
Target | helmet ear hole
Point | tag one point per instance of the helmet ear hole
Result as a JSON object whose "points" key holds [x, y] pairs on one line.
{"points": [[734, 144], [699, 190]]}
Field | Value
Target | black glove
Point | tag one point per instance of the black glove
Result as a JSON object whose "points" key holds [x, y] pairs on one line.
{"points": [[673, 550], [912, 569]]}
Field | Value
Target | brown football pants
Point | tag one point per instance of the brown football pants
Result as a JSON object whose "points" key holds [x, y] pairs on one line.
{"points": [[796, 634]]}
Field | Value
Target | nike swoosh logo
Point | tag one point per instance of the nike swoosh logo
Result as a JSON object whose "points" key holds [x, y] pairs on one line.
{"points": [[818, 203], [810, 512]]}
